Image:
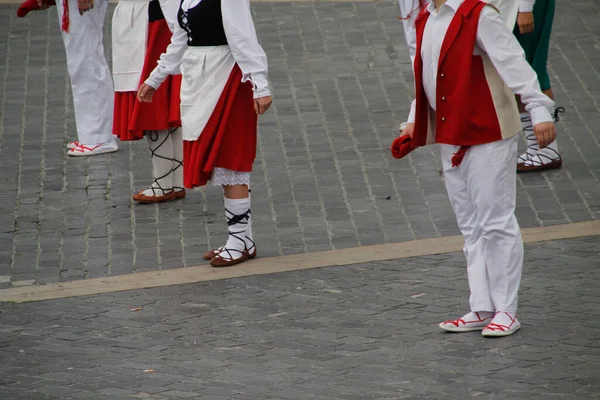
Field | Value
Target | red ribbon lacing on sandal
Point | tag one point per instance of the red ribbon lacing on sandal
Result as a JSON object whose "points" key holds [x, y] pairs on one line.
{"points": [[459, 155], [65, 16]]}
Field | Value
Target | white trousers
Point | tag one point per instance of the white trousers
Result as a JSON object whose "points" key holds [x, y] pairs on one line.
{"points": [[482, 192], [91, 80]]}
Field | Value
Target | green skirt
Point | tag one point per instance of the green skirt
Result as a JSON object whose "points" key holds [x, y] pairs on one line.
{"points": [[537, 43]]}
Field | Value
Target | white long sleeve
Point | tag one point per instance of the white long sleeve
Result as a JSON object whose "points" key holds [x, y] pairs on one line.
{"points": [[170, 60], [243, 41], [526, 5], [508, 57], [409, 13]]}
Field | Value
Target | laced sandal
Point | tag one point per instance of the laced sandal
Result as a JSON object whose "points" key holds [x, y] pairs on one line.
{"points": [[212, 253], [219, 261], [226, 257], [84, 151], [497, 330], [179, 193], [536, 159], [143, 198]]}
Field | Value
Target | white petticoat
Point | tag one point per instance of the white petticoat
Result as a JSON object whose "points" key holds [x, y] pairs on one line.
{"points": [[228, 177]]}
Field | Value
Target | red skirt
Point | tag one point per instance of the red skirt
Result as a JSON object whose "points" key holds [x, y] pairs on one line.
{"points": [[229, 138], [132, 118]]}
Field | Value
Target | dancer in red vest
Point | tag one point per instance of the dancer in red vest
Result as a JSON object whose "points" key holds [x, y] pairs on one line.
{"points": [[224, 88], [82, 23], [467, 65], [140, 34]]}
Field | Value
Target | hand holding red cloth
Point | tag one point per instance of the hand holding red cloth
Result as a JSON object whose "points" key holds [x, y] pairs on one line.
{"points": [[401, 146], [32, 5]]}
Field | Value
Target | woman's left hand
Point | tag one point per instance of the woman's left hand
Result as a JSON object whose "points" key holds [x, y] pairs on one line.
{"points": [[262, 104]]}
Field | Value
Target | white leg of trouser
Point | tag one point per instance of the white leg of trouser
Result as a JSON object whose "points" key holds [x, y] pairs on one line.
{"points": [[466, 217], [490, 170], [91, 80]]}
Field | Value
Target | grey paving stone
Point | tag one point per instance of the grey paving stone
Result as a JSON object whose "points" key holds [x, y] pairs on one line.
{"points": [[363, 331], [323, 179]]}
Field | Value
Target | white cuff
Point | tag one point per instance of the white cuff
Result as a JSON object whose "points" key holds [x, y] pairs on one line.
{"points": [[526, 5], [156, 78], [540, 114], [413, 112]]}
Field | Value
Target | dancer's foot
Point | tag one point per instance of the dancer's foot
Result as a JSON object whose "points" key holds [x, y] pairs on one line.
{"points": [[209, 255], [473, 321], [155, 195], [82, 150], [503, 324], [229, 257], [543, 159]]}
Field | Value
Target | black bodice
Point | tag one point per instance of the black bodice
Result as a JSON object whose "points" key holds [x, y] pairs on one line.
{"points": [[203, 24]]}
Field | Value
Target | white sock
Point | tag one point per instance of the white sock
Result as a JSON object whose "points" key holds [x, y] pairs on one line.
{"points": [[161, 147], [531, 141], [504, 318], [249, 236], [237, 213], [177, 139]]}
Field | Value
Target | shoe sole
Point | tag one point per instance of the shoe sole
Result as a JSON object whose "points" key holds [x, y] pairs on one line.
{"points": [[556, 164], [94, 153], [459, 330]]}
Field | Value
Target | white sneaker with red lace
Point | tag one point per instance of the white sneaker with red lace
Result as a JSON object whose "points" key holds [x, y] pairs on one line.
{"points": [[503, 324], [72, 145], [82, 150], [473, 321]]}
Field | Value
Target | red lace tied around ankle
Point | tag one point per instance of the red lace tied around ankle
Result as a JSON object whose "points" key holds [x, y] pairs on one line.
{"points": [[459, 155], [65, 16], [421, 4]]}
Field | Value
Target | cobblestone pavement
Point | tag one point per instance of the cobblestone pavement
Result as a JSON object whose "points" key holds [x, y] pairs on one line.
{"points": [[324, 178], [360, 332]]}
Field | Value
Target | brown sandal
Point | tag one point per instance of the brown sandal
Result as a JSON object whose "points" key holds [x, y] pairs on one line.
{"points": [[555, 164], [220, 262], [140, 197], [209, 255]]}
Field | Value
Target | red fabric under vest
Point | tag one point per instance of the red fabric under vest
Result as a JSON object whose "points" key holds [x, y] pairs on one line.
{"points": [[465, 112]]}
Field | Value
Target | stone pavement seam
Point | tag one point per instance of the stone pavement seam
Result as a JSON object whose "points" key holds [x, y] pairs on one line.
{"points": [[358, 255]]}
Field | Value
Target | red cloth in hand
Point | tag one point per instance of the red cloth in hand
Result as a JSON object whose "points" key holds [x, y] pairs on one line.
{"points": [[401, 146], [32, 5]]}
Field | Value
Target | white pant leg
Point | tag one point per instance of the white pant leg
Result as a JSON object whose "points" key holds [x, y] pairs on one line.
{"points": [[91, 80], [466, 217], [492, 185]]}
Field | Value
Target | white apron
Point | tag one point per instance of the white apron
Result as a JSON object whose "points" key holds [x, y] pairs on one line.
{"points": [[205, 71], [509, 9], [129, 41]]}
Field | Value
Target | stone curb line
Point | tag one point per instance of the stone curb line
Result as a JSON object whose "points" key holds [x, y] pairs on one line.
{"points": [[356, 255]]}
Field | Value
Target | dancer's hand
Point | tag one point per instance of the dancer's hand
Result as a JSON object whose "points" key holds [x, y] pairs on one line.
{"points": [[145, 93], [42, 4], [525, 22], [545, 133], [262, 104], [409, 129], [84, 5]]}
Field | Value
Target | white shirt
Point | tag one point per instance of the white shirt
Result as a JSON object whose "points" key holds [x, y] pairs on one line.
{"points": [[526, 5], [493, 39], [241, 37]]}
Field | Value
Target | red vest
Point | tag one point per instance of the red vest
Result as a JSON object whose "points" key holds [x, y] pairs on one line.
{"points": [[465, 111]]}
